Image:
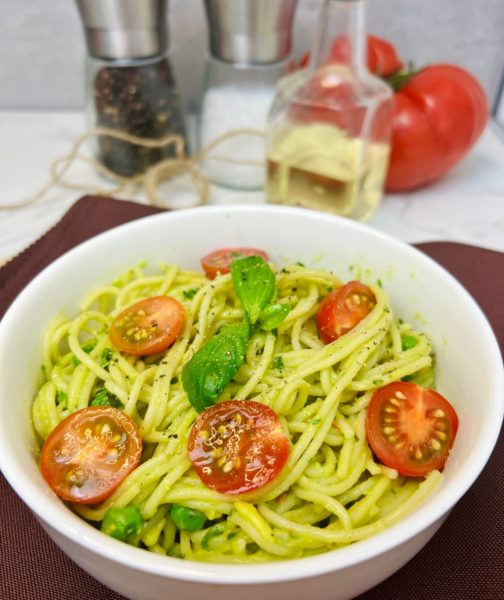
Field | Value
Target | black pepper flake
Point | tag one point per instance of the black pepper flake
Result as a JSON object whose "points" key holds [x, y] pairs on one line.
{"points": [[142, 100]]}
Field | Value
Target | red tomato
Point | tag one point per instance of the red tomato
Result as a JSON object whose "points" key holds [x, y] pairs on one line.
{"points": [[219, 261], [343, 309], [438, 116], [237, 446], [410, 428], [149, 326], [328, 98], [89, 453], [382, 57]]}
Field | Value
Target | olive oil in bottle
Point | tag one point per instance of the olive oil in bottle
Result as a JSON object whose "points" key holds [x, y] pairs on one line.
{"points": [[328, 138], [319, 166]]}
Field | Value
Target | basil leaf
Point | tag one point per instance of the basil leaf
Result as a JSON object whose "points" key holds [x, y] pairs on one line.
{"points": [[273, 315], [87, 348], [278, 362], [62, 399], [423, 378], [104, 398], [106, 357], [213, 366], [254, 283]]}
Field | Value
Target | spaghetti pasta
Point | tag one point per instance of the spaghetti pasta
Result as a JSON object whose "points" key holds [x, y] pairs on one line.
{"points": [[331, 491]]}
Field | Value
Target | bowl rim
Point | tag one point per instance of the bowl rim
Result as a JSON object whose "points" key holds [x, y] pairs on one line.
{"points": [[70, 526]]}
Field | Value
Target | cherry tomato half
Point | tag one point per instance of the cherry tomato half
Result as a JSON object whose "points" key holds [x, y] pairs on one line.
{"points": [[411, 428], [89, 453], [237, 446], [149, 326], [343, 309], [219, 261]]}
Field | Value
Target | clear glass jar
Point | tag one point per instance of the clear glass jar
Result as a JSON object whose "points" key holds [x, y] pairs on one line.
{"points": [[237, 97], [136, 96], [328, 139]]}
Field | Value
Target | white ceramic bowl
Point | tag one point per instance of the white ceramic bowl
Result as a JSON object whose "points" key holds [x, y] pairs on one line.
{"points": [[469, 373]]}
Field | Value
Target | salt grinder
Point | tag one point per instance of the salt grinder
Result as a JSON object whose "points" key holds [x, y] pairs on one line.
{"points": [[250, 31], [250, 43]]}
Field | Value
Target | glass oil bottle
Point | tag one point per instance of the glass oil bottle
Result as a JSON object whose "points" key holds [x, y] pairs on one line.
{"points": [[328, 141]]}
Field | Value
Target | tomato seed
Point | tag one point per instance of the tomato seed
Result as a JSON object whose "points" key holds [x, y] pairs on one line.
{"points": [[228, 466], [76, 477]]}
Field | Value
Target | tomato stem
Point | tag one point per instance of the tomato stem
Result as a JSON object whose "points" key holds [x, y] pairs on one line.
{"points": [[401, 78]]}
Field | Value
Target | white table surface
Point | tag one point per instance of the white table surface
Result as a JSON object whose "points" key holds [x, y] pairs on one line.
{"points": [[466, 206]]}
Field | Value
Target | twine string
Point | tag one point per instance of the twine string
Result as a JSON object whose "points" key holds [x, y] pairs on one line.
{"points": [[150, 180]]}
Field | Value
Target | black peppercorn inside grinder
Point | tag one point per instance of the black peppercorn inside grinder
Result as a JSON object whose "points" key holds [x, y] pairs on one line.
{"points": [[130, 83]]}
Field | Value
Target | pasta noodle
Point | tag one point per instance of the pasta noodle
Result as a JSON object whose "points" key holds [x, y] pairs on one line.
{"points": [[331, 492]]}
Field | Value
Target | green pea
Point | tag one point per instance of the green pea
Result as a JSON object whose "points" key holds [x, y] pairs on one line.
{"points": [[122, 523], [408, 342], [189, 519]]}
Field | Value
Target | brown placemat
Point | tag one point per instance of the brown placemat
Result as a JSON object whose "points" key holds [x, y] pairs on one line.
{"points": [[464, 560]]}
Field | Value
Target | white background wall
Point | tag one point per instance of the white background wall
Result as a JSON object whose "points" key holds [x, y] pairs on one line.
{"points": [[42, 44]]}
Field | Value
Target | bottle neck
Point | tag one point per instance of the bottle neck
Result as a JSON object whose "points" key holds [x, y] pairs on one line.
{"points": [[341, 35]]}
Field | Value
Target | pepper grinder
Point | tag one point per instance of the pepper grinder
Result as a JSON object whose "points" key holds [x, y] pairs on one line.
{"points": [[130, 84], [250, 43]]}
